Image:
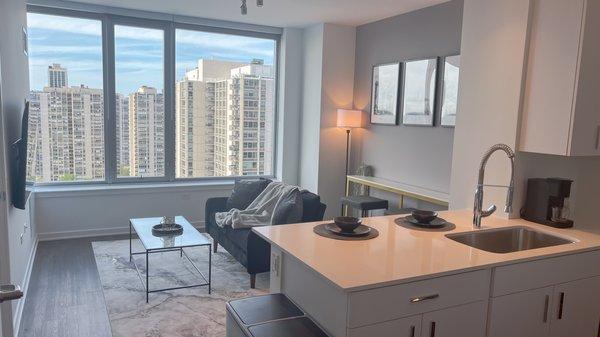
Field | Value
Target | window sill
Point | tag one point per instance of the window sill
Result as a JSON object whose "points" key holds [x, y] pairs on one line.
{"points": [[49, 191]]}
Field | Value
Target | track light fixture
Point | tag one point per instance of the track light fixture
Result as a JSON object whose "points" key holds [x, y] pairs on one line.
{"points": [[244, 8]]}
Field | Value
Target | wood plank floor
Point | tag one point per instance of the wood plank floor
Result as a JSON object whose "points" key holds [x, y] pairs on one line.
{"points": [[65, 296]]}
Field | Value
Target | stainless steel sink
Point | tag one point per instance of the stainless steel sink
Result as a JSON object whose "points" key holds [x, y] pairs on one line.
{"points": [[508, 240]]}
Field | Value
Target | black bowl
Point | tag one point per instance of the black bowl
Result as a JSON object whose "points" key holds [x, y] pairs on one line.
{"points": [[347, 223], [424, 216]]}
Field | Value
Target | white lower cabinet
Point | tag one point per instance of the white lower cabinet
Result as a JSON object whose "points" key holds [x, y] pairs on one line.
{"points": [[524, 314], [466, 320], [577, 309], [569, 309]]}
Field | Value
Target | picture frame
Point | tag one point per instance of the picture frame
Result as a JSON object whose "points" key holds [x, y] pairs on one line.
{"points": [[385, 82], [450, 69], [419, 92]]}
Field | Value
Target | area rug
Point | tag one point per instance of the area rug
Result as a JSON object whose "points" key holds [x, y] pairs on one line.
{"points": [[177, 313]]}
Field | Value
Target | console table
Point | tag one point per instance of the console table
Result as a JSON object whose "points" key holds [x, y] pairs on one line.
{"points": [[401, 189]]}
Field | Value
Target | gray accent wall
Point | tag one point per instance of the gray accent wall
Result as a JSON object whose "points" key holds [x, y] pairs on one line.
{"points": [[417, 155]]}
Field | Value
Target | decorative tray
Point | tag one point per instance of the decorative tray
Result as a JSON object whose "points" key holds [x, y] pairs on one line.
{"points": [[167, 229]]}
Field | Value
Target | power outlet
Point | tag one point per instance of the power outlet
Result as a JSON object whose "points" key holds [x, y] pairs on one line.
{"points": [[25, 228]]}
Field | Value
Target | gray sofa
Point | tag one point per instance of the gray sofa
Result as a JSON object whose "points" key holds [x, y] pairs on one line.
{"points": [[245, 246]]}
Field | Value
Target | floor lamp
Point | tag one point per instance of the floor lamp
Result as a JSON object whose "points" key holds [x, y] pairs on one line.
{"points": [[348, 119]]}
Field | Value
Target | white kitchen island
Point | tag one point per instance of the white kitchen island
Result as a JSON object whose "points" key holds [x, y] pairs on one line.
{"points": [[416, 283]]}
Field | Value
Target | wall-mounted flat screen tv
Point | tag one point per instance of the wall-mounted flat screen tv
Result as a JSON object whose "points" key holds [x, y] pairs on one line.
{"points": [[19, 164]]}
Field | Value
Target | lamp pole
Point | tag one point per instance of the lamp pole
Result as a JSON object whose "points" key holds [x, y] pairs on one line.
{"points": [[347, 157], [348, 119]]}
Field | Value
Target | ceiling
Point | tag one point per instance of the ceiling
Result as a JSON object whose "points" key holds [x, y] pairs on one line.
{"points": [[279, 13]]}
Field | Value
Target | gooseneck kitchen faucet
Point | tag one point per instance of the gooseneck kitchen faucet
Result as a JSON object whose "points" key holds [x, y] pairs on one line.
{"points": [[478, 211]]}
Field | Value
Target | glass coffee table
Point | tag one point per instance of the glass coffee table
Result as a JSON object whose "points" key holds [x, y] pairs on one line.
{"points": [[160, 244]]}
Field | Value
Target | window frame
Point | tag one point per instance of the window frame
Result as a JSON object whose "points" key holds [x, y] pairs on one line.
{"points": [[169, 25]]}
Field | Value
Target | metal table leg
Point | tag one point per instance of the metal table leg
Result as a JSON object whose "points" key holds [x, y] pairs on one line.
{"points": [[147, 277], [209, 269], [130, 238]]}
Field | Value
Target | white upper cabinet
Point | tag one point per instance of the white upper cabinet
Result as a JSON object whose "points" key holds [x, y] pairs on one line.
{"points": [[561, 107]]}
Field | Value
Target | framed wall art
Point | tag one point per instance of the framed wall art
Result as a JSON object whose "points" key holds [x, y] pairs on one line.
{"points": [[419, 92], [449, 99], [384, 94]]}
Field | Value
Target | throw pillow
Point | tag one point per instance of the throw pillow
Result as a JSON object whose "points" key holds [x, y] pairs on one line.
{"points": [[245, 191], [289, 210], [312, 206]]}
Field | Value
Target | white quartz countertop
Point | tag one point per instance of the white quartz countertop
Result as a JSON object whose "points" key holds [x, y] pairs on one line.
{"points": [[400, 255]]}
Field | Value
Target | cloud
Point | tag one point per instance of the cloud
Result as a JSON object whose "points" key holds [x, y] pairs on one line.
{"points": [[54, 49], [225, 42], [64, 24]]}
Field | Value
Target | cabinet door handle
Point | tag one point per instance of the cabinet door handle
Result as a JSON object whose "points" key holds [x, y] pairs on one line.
{"points": [[412, 331], [423, 298], [546, 307], [432, 330], [598, 137], [560, 305]]}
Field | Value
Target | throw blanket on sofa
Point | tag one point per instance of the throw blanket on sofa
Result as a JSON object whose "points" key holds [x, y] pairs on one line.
{"points": [[262, 210]]}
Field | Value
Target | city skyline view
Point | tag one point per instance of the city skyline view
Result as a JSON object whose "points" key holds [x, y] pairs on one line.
{"points": [[224, 94]]}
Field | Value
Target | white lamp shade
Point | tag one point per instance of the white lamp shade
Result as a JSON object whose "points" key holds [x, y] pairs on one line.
{"points": [[349, 118]]}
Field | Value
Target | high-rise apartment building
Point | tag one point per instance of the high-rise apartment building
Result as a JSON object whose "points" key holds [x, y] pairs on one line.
{"points": [[146, 133], [122, 128], [194, 118], [66, 134], [244, 121], [57, 76], [224, 116]]}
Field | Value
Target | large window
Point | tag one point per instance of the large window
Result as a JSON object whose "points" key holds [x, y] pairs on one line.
{"points": [[225, 93], [66, 131], [172, 101], [140, 102]]}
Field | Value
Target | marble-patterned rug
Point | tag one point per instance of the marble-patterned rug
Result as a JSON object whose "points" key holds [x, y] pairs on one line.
{"points": [[178, 313]]}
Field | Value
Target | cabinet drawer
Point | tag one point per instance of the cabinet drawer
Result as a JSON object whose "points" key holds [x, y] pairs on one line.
{"points": [[542, 273], [403, 327], [389, 303]]}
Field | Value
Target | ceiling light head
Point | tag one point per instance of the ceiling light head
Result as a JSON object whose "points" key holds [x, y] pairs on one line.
{"points": [[244, 8], [259, 3]]}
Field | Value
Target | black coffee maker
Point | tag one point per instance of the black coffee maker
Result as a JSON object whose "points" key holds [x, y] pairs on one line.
{"points": [[544, 195]]}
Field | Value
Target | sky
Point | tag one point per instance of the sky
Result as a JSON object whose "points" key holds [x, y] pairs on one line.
{"points": [[77, 45]]}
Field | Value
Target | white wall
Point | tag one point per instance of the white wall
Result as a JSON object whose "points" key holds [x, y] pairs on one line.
{"points": [[15, 87], [85, 212], [328, 84], [493, 50], [290, 102], [312, 70], [339, 44]]}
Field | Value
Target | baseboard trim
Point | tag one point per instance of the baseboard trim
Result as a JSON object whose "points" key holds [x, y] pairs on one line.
{"points": [[27, 277], [86, 233]]}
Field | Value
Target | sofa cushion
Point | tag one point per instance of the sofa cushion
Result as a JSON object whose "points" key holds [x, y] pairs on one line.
{"points": [[289, 209], [245, 191], [311, 204]]}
